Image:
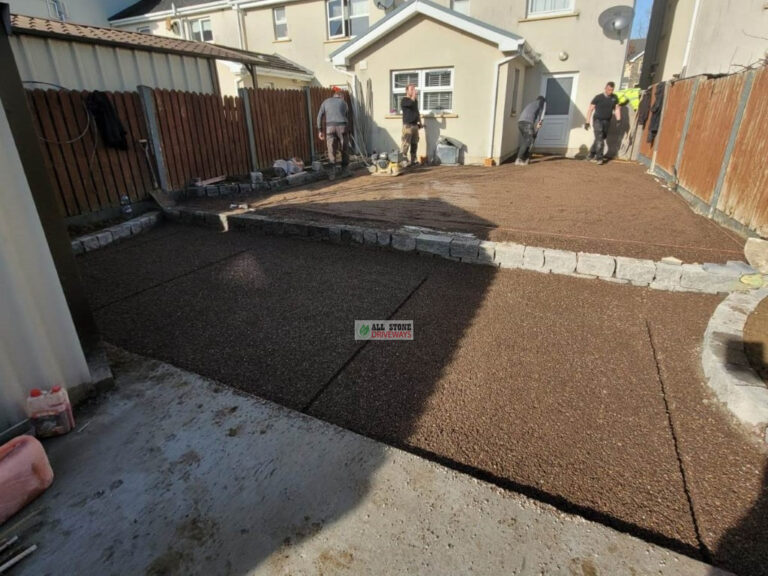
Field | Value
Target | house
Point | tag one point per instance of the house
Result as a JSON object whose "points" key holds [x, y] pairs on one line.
{"points": [[463, 47], [691, 37], [93, 12], [84, 57], [634, 63]]}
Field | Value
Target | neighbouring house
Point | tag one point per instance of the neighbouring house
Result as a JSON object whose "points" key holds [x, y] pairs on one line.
{"points": [[463, 47], [83, 57], [691, 37], [633, 65], [93, 12]]}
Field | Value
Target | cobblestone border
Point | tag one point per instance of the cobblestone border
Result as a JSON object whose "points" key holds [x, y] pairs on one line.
{"points": [[97, 240], [726, 365], [669, 274]]}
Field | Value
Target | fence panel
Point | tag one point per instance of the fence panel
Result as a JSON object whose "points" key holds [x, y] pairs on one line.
{"points": [[744, 196], [714, 111], [678, 97], [87, 175]]}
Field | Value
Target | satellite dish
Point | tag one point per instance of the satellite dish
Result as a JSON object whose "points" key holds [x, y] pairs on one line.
{"points": [[384, 4], [616, 22]]}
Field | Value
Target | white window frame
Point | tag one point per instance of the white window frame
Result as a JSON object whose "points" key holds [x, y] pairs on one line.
{"points": [[191, 24], [284, 21], [422, 89], [535, 14], [515, 92], [144, 30], [466, 3], [345, 18]]}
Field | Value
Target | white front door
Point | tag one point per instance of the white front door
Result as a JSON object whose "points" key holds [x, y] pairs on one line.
{"points": [[560, 91]]}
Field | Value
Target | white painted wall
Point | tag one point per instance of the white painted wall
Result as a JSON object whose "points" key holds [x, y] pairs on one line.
{"points": [[38, 343]]}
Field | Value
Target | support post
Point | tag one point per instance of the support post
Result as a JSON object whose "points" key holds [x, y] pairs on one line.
{"points": [[686, 125], [246, 100], [147, 98], [311, 124], [745, 92]]}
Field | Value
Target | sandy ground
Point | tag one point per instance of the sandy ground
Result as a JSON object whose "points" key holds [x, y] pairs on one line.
{"points": [[585, 395], [557, 203], [756, 339], [172, 474]]}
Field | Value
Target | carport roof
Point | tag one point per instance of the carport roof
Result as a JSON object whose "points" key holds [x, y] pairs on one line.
{"points": [[505, 40]]}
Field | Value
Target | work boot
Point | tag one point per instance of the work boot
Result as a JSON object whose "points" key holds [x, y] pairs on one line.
{"points": [[414, 161]]}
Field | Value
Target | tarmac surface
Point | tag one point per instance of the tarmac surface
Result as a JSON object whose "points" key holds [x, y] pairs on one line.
{"points": [[173, 474], [583, 394], [614, 209]]}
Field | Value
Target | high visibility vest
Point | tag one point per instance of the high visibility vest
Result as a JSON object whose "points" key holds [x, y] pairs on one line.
{"points": [[630, 96]]}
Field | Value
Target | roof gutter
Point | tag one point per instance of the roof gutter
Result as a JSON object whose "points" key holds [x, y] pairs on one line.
{"points": [[688, 44]]}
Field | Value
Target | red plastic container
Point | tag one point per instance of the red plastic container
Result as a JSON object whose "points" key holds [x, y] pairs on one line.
{"points": [[25, 473], [50, 413]]}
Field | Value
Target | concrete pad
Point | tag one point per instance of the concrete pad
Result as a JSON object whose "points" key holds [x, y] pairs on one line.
{"points": [[176, 474]]}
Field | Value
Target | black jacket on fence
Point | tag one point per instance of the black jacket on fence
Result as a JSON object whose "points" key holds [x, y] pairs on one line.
{"points": [[656, 109], [107, 121]]}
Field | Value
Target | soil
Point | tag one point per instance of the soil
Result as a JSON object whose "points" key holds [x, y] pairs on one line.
{"points": [[614, 209], [756, 339]]}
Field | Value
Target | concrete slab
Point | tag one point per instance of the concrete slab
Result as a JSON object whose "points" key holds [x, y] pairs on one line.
{"points": [[175, 474]]}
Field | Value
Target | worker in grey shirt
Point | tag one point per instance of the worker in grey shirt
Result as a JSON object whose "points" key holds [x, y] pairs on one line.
{"points": [[335, 111], [529, 124]]}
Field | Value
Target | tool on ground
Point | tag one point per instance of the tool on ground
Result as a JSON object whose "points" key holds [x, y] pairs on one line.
{"points": [[17, 558], [159, 196]]}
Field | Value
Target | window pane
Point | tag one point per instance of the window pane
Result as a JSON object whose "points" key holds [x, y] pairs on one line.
{"points": [[559, 96], [438, 78], [358, 26], [461, 6], [515, 90], [402, 79], [537, 6], [438, 100], [280, 14], [358, 8], [336, 27], [281, 31], [395, 104], [335, 9]]}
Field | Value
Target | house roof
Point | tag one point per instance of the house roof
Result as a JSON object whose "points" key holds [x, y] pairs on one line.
{"points": [[505, 40], [165, 7], [134, 40], [635, 47]]}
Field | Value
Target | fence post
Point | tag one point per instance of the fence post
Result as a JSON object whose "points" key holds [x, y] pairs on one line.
{"points": [[745, 92], [686, 125], [245, 99], [311, 125], [153, 129]]}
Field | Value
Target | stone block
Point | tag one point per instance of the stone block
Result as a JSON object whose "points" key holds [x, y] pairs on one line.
{"points": [[667, 276], [293, 228], [465, 248], [509, 255], [559, 261], [370, 237], [334, 234], [90, 242], [533, 258], [595, 265], [120, 231], [105, 238], [383, 238], [756, 253], [352, 234], [639, 272], [137, 226], [77, 247], [404, 242], [486, 252], [437, 244], [695, 277]]}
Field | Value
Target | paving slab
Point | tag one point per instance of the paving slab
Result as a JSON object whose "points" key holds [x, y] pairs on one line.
{"points": [[615, 209], [176, 474]]}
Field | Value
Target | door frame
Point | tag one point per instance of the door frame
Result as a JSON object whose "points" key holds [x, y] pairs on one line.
{"points": [[574, 91]]}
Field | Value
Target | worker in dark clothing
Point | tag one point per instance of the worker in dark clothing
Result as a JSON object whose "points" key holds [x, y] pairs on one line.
{"points": [[602, 107], [335, 111], [411, 123], [529, 124]]}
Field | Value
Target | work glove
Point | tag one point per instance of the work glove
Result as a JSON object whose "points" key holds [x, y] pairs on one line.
{"points": [[586, 126]]}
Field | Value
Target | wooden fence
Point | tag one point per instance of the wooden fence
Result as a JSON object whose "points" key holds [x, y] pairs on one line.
{"points": [[87, 175], [195, 136], [712, 145]]}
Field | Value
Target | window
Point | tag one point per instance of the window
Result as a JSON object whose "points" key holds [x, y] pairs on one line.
{"points": [[200, 30], [515, 91], [346, 17], [460, 6], [281, 23], [546, 7], [144, 30], [435, 89]]}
